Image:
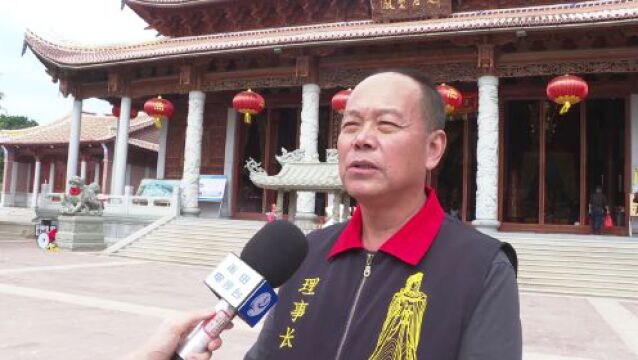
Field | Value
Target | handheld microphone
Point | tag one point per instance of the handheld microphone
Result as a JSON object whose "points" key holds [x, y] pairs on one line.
{"points": [[245, 284]]}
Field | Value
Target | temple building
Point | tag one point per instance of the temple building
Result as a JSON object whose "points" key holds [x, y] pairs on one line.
{"points": [[37, 156], [513, 162]]}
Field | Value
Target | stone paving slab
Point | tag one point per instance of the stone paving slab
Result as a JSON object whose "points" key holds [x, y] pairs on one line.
{"points": [[85, 306]]}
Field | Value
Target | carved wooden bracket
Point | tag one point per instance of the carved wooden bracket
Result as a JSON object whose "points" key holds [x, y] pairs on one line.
{"points": [[116, 83], [306, 68], [486, 58], [67, 87]]}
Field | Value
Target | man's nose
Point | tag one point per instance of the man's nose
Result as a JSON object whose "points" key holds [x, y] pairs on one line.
{"points": [[365, 139]]}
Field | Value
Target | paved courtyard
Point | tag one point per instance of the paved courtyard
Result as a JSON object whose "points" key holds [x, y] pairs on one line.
{"points": [[87, 306]]}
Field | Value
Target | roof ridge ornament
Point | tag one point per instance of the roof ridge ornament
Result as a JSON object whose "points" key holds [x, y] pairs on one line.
{"points": [[295, 156]]}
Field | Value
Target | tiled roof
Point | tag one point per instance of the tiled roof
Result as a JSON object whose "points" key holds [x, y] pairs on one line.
{"points": [[317, 176], [585, 13], [94, 128], [299, 173], [144, 144]]}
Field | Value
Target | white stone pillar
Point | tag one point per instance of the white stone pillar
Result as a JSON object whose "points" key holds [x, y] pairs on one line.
{"points": [[193, 153], [52, 176], [229, 161], [118, 180], [36, 183], [309, 133], [83, 169], [161, 154], [74, 143], [96, 172], [105, 166], [487, 154], [634, 140], [7, 199]]}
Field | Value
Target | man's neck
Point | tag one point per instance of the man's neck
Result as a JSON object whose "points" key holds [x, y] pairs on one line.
{"points": [[381, 221]]}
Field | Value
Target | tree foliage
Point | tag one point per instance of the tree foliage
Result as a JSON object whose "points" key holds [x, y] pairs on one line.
{"points": [[8, 122]]}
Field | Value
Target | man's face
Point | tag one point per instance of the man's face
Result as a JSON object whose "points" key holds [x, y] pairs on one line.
{"points": [[384, 144]]}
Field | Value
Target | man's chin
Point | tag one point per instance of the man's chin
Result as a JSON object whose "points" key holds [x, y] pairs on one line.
{"points": [[364, 193]]}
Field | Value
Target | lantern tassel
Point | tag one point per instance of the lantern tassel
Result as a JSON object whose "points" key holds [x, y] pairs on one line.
{"points": [[247, 118], [565, 108], [158, 122]]}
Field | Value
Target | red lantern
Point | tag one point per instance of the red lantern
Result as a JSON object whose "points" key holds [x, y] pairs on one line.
{"points": [[249, 103], [452, 98], [340, 99], [116, 112], [567, 90], [159, 108]]}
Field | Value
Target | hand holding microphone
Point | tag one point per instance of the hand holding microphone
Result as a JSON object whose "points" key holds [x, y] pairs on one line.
{"points": [[245, 284]]}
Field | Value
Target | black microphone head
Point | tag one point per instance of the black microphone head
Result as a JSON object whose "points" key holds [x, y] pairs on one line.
{"points": [[276, 251]]}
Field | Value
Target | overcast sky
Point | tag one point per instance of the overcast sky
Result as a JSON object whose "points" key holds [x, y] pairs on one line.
{"points": [[27, 89]]}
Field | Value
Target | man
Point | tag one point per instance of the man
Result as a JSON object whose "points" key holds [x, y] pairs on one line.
{"points": [[400, 280], [597, 208]]}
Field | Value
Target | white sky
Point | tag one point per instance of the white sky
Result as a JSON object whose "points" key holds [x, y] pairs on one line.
{"points": [[27, 89]]}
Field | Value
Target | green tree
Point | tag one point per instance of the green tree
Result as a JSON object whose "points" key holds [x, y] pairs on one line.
{"points": [[10, 123]]}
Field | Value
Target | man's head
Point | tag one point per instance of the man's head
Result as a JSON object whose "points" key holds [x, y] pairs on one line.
{"points": [[391, 136]]}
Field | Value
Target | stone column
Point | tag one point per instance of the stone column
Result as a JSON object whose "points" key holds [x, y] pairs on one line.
{"points": [[309, 133], [633, 111], [105, 165], [7, 199], [161, 154], [52, 176], [193, 153], [83, 169], [487, 155], [229, 160], [36, 182], [74, 143], [96, 172], [118, 179]]}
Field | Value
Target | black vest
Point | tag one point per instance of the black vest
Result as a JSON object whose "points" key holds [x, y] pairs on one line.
{"points": [[402, 312]]}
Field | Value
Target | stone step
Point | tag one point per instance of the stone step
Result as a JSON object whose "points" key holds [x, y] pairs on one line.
{"points": [[186, 261], [576, 268], [576, 248], [228, 224], [561, 290], [159, 237], [625, 283], [187, 248], [591, 286], [186, 244], [577, 255], [577, 259], [201, 235]]}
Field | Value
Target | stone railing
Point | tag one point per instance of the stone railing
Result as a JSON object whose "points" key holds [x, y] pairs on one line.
{"points": [[125, 205]]}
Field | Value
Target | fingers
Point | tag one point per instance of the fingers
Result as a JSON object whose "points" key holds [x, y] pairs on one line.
{"points": [[181, 324], [214, 344], [200, 356]]}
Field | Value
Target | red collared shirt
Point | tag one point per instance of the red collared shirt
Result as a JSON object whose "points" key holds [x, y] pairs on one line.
{"points": [[409, 244]]}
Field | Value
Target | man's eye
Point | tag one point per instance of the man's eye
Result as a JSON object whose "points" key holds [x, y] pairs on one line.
{"points": [[388, 126]]}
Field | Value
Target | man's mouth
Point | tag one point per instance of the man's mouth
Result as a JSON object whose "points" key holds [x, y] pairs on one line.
{"points": [[362, 165]]}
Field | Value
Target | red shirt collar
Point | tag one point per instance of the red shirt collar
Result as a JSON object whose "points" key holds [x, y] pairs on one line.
{"points": [[409, 244]]}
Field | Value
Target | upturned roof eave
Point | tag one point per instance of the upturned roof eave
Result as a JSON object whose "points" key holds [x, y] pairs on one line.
{"points": [[324, 35]]}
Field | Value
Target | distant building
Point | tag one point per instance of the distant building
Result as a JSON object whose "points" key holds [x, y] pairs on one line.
{"points": [[38, 155]]}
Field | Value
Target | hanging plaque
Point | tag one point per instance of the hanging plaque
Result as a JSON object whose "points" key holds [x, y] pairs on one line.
{"points": [[389, 10]]}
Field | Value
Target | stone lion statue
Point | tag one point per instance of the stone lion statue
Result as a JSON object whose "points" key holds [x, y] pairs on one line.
{"points": [[82, 199]]}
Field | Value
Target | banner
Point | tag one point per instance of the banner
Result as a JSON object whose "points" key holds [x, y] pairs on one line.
{"points": [[211, 188]]}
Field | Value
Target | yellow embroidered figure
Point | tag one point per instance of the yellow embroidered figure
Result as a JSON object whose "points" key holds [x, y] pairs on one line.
{"points": [[299, 310], [286, 339], [387, 4], [309, 285], [399, 337]]}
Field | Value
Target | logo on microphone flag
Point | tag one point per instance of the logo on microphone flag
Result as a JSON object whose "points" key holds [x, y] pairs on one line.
{"points": [[258, 304]]}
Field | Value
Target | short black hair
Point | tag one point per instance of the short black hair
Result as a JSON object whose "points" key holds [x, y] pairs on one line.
{"points": [[431, 102]]}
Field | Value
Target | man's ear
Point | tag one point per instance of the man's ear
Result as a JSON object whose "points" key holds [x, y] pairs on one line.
{"points": [[436, 143]]}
